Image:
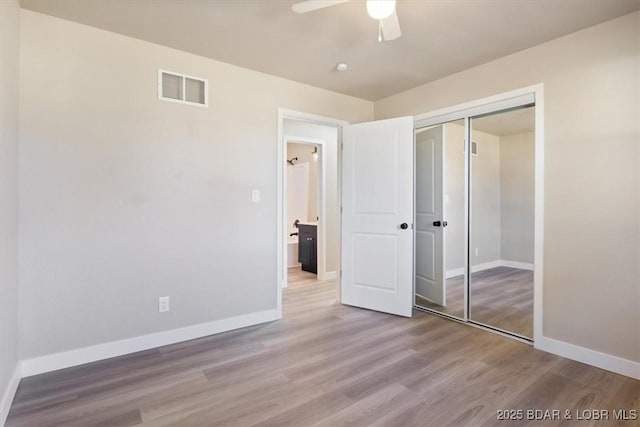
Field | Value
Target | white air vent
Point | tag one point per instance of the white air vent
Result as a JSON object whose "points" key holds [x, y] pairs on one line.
{"points": [[176, 87]]}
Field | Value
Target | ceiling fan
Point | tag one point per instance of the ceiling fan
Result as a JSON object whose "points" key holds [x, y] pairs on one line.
{"points": [[382, 10]]}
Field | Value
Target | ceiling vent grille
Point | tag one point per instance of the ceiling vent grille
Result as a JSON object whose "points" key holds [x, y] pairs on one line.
{"points": [[184, 89]]}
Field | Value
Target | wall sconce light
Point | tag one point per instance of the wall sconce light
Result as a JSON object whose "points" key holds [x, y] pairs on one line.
{"points": [[314, 154]]}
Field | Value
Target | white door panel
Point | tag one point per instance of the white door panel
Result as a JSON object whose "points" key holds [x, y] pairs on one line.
{"points": [[430, 282], [377, 197], [375, 259]]}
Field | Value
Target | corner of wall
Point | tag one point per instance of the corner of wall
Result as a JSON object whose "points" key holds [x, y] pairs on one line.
{"points": [[9, 135], [9, 394]]}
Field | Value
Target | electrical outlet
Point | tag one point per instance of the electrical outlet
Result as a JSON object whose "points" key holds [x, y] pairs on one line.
{"points": [[476, 251], [163, 304]]}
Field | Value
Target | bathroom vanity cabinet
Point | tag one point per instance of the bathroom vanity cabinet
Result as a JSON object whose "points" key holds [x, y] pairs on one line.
{"points": [[308, 247]]}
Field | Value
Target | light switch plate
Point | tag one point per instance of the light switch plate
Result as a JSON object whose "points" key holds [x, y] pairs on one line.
{"points": [[255, 196]]}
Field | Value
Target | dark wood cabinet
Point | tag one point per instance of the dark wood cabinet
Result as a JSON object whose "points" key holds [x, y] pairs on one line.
{"points": [[308, 247]]}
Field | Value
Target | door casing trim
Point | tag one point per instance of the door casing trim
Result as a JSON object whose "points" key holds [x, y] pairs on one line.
{"points": [[285, 114]]}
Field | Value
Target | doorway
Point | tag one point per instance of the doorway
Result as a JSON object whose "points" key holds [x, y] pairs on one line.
{"points": [[307, 152], [306, 202]]}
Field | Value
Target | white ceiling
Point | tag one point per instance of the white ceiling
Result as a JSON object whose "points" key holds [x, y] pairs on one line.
{"points": [[440, 37], [507, 123]]}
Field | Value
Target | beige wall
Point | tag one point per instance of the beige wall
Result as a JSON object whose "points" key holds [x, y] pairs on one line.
{"points": [[591, 236], [485, 212], [126, 198], [517, 201], [9, 99], [485, 199], [503, 195]]}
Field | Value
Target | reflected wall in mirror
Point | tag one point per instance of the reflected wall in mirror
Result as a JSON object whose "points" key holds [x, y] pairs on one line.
{"points": [[502, 221], [440, 229]]}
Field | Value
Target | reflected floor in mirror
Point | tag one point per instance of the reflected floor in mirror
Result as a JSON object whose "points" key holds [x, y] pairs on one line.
{"points": [[501, 297]]}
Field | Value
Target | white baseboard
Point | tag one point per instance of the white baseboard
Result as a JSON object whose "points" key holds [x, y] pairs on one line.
{"points": [[329, 275], [474, 269], [454, 272], [595, 358], [488, 265], [52, 362], [570, 351], [517, 264], [9, 394]]}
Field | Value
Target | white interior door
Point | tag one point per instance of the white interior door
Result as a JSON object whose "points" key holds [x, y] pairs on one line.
{"points": [[430, 281], [377, 202]]}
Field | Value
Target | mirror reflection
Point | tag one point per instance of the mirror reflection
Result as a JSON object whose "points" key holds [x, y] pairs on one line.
{"points": [[502, 221], [439, 234]]}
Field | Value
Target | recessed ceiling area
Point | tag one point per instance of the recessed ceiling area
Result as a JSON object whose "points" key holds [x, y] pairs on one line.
{"points": [[439, 37]]}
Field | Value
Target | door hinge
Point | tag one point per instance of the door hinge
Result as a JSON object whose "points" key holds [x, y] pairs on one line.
{"points": [[341, 210]]}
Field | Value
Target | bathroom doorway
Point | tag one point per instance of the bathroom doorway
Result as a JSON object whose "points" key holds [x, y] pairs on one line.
{"points": [[304, 202], [310, 217]]}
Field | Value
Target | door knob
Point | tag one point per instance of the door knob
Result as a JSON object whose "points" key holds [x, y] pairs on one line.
{"points": [[436, 223], [404, 226], [444, 223]]}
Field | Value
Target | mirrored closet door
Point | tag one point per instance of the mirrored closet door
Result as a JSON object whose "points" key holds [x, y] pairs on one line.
{"points": [[474, 219], [502, 221]]}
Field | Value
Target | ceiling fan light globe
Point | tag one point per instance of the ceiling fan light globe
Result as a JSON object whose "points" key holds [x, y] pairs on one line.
{"points": [[380, 9]]}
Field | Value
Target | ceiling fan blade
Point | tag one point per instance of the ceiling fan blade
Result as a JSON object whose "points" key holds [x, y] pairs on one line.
{"points": [[311, 5], [391, 27]]}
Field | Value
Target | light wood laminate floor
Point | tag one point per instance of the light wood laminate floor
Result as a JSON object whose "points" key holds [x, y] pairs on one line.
{"points": [[324, 364], [297, 277], [501, 297]]}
